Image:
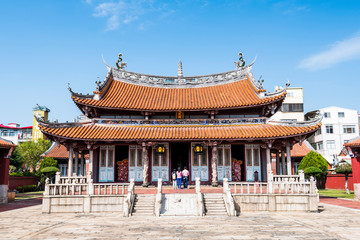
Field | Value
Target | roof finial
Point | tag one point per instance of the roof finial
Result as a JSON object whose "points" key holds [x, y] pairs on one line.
{"points": [[180, 71], [119, 63], [241, 61]]}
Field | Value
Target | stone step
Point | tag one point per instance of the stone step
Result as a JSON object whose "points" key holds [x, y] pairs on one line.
{"points": [[214, 201], [143, 212], [215, 205], [143, 207]]}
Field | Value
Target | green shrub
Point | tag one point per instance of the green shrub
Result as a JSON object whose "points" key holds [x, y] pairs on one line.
{"points": [[313, 159], [312, 171], [16, 174], [26, 188]]}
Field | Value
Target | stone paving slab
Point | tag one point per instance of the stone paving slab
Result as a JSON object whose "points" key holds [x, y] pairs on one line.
{"points": [[332, 223]]}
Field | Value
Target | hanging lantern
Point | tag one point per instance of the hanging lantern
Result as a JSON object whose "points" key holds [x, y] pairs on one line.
{"points": [[198, 148], [160, 149]]}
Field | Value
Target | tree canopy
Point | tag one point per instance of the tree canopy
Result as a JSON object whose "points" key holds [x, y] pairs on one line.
{"points": [[343, 168], [313, 159], [31, 151]]}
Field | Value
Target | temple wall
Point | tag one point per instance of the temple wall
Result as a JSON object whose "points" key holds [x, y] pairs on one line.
{"points": [[275, 202], [83, 204]]}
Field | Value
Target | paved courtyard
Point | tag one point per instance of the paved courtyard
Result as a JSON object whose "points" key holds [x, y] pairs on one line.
{"points": [[332, 223]]}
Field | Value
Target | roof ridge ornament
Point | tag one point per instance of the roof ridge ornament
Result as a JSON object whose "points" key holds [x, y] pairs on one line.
{"points": [[98, 83], [119, 63], [180, 70], [241, 62]]}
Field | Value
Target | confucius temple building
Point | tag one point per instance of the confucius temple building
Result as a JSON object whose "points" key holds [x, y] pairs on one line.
{"points": [[143, 126]]}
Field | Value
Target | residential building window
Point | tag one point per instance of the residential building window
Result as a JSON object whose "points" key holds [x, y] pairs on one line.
{"points": [[349, 129], [12, 134], [314, 145], [327, 115], [330, 144], [329, 129], [341, 114], [292, 107], [320, 145], [346, 141], [318, 132]]}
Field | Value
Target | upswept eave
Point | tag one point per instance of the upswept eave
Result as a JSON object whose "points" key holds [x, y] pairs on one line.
{"points": [[180, 132]]}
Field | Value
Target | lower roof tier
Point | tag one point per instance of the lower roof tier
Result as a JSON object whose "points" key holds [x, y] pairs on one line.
{"points": [[103, 132]]}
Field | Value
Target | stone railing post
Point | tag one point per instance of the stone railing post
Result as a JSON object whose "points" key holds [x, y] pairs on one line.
{"points": [[301, 176], [90, 190], [313, 189], [57, 178], [200, 202], [270, 182], [158, 198], [159, 186], [197, 185], [225, 185], [47, 187], [46, 208]]}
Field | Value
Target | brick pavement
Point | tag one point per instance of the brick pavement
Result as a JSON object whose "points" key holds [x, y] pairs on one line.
{"points": [[340, 202]]}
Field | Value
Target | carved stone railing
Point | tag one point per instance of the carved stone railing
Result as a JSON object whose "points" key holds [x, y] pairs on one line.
{"points": [[199, 198], [158, 198], [248, 187], [67, 180], [229, 201], [66, 189], [109, 188], [277, 187], [258, 120], [289, 178]]}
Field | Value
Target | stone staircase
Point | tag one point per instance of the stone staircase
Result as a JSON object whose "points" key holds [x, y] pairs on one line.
{"points": [[144, 205], [214, 204]]}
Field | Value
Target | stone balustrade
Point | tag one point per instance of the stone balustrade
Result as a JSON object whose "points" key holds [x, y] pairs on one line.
{"points": [[228, 199], [158, 198]]}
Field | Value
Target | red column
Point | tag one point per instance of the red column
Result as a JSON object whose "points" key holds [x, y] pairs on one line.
{"points": [[355, 164], [4, 170]]}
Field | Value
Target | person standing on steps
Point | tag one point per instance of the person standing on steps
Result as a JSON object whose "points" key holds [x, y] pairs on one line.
{"points": [[185, 174], [178, 178], [173, 177]]}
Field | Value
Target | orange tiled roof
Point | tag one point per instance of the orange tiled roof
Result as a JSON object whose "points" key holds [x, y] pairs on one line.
{"points": [[355, 143], [300, 151], [122, 95], [60, 152], [184, 132], [5, 144]]}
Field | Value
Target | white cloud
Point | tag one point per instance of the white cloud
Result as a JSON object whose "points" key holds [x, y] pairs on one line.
{"points": [[127, 12], [339, 52]]}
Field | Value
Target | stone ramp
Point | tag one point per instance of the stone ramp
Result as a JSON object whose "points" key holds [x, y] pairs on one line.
{"points": [[179, 205]]}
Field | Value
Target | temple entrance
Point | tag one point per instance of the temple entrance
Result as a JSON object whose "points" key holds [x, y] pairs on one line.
{"points": [[179, 156]]}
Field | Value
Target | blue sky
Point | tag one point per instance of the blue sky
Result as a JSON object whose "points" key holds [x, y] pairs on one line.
{"points": [[46, 44]]}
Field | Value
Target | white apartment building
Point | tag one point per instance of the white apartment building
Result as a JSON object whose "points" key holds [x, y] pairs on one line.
{"points": [[292, 108], [339, 125]]}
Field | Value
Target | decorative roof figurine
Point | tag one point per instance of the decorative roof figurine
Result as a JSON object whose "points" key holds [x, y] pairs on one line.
{"points": [[119, 63], [180, 71], [241, 62]]}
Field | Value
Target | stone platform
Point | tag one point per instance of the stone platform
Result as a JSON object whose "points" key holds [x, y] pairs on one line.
{"points": [[332, 223]]}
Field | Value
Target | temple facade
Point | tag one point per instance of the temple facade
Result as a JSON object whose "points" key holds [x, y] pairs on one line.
{"points": [[143, 126]]}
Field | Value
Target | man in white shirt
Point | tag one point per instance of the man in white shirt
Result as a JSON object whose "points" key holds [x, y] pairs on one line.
{"points": [[185, 174]]}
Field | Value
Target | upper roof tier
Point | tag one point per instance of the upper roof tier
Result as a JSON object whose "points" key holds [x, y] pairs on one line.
{"points": [[124, 90]]}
